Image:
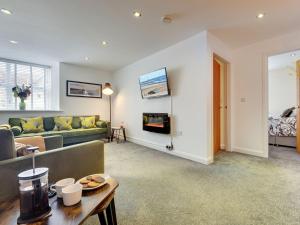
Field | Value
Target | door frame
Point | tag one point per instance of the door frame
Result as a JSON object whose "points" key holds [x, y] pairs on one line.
{"points": [[265, 97], [228, 100]]}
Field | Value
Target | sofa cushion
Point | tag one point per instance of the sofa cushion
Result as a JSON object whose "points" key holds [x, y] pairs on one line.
{"points": [[63, 123], [88, 122], [69, 133], [32, 125], [76, 122], [49, 123]]}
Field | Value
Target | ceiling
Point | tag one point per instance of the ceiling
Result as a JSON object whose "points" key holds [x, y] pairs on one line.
{"points": [[284, 61], [70, 30]]}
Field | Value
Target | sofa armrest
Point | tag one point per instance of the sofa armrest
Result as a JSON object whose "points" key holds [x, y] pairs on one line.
{"points": [[104, 124], [53, 142]]}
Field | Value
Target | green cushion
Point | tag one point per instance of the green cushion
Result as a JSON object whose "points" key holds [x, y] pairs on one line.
{"points": [[76, 122], [14, 122], [32, 125], [16, 130], [63, 123], [101, 124], [88, 122], [49, 123]]}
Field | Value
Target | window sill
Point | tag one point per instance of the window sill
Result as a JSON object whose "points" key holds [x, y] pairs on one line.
{"points": [[25, 111]]}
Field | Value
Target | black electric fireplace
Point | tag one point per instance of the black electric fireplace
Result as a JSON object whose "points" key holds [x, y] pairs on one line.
{"points": [[156, 122]]}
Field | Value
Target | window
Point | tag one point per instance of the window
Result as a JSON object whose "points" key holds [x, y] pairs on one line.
{"points": [[14, 73]]}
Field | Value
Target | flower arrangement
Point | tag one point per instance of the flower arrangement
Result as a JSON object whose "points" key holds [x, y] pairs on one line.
{"points": [[23, 93]]}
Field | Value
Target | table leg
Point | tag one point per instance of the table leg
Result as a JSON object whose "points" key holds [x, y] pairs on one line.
{"points": [[112, 135], [102, 219], [113, 209], [109, 215], [124, 134]]}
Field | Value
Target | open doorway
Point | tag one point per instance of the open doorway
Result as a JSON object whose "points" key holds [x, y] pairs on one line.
{"points": [[220, 88], [283, 102]]}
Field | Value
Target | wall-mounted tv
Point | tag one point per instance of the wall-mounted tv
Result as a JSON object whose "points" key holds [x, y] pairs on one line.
{"points": [[154, 84]]}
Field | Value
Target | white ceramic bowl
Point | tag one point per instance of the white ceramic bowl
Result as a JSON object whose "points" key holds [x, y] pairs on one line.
{"points": [[59, 185], [72, 194]]}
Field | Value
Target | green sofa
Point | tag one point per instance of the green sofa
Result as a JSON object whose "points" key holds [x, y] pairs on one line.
{"points": [[70, 137]]}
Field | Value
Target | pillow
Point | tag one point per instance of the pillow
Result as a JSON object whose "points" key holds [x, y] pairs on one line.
{"points": [[101, 124], [32, 125], [287, 112], [63, 123], [16, 130], [76, 123], [88, 122]]}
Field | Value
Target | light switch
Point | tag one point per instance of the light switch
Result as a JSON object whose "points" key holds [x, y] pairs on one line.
{"points": [[243, 99]]}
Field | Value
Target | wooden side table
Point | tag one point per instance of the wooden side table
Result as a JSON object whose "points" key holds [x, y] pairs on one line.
{"points": [[118, 133]]}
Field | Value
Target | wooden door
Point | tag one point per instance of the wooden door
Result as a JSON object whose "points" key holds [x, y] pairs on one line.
{"points": [[298, 107], [216, 106]]}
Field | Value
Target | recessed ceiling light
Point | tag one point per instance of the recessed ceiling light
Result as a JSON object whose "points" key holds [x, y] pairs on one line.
{"points": [[13, 42], [86, 58], [260, 15], [6, 11], [293, 54], [104, 43], [137, 14]]}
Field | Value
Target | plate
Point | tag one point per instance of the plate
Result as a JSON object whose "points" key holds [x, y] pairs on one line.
{"points": [[93, 188]]}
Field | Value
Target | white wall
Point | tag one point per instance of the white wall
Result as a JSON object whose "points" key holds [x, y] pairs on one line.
{"points": [[186, 64], [83, 106], [282, 90], [249, 89], [71, 105]]}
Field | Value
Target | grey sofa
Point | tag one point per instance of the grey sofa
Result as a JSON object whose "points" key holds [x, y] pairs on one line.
{"points": [[73, 161]]}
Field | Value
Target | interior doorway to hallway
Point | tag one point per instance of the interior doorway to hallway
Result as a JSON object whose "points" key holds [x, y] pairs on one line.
{"points": [[220, 112]]}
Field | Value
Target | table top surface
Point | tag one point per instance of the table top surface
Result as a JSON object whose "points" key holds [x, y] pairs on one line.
{"points": [[60, 214]]}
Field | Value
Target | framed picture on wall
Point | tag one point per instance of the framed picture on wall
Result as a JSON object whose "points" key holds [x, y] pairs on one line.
{"points": [[83, 89]]}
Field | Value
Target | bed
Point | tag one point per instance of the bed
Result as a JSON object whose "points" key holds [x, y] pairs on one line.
{"points": [[282, 131]]}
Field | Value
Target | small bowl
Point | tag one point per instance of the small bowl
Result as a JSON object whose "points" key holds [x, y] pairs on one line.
{"points": [[72, 194]]}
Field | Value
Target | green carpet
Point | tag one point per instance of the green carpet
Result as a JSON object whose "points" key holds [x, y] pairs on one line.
{"points": [[160, 189]]}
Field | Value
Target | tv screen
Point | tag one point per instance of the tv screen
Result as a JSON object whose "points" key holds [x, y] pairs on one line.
{"points": [[154, 84]]}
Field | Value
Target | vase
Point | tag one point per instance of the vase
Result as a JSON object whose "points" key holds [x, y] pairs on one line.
{"points": [[22, 105]]}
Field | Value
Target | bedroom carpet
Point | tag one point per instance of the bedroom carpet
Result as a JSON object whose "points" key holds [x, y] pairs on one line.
{"points": [[160, 189]]}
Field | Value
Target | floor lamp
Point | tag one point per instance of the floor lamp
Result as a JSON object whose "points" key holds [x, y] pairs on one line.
{"points": [[107, 90]]}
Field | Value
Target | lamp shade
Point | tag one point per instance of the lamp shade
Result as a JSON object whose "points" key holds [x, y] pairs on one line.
{"points": [[107, 89]]}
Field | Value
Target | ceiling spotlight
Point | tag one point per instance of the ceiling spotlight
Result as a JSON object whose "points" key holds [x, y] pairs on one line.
{"points": [[137, 14], [260, 15], [86, 58], [6, 11], [104, 43], [293, 54], [166, 19], [13, 42]]}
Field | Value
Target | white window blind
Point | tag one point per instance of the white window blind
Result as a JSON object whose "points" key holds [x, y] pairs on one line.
{"points": [[14, 73]]}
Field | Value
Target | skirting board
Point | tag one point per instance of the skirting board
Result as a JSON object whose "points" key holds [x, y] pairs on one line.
{"points": [[175, 153], [250, 152]]}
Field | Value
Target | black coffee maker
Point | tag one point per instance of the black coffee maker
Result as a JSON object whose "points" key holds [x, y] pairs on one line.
{"points": [[33, 187]]}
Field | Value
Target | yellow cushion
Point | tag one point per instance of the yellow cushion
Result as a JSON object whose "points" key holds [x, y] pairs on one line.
{"points": [[63, 123], [32, 125], [88, 122]]}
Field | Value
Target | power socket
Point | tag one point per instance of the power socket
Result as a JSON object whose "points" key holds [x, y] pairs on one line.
{"points": [[170, 147]]}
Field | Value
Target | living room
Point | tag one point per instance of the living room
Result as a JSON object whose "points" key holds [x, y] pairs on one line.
{"points": [[83, 127]]}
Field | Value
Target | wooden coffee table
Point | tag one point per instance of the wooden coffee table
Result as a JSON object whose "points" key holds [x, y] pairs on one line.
{"points": [[92, 202]]}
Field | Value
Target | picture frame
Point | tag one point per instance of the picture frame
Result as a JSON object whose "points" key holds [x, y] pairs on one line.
{"points": [[83, 89]]}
